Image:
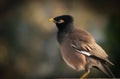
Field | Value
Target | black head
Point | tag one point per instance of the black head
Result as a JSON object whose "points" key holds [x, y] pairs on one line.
{"points": [[64, 19], [62, 22]]}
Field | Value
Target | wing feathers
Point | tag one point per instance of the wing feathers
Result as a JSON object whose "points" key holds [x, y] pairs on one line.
{"points": [[82, 52], [86, 53], [83, 41], [91, 50]]}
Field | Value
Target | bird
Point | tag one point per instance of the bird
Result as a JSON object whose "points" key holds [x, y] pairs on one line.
{"points": [[78, 47]]}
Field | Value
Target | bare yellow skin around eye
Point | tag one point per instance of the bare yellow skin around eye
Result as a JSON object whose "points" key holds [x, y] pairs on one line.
{"points": [[60, 21]]}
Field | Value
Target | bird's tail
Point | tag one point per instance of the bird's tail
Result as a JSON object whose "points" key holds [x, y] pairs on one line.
{"points": [[104, 68]]}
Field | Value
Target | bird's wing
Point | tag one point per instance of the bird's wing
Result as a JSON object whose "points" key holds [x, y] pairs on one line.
{"points": [[89, 49], [87, 46], [93, 50]]}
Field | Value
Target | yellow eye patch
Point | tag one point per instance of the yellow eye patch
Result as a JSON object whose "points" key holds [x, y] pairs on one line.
{"points": [[60, 21]]}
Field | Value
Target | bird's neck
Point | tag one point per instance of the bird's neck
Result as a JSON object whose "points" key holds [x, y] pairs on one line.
{"points": [[63, 31], [65, 27]]}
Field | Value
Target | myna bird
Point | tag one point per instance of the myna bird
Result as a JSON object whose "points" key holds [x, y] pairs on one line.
{"points": [[79, 49]]}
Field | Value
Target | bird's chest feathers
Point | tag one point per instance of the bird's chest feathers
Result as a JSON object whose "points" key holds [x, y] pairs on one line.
{"points": [[72, 58]]}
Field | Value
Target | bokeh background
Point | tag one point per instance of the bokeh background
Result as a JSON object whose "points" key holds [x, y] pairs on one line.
{"points": [[28, 46]]}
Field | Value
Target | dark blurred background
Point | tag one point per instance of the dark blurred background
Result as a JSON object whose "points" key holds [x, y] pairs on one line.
{"points": [[28, 46]]}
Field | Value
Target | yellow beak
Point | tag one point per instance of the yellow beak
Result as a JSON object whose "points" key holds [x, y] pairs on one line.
{"points": [[52, 20]]}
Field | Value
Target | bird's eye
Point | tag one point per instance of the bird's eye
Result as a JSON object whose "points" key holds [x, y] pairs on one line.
{"points": [[60, 21]]}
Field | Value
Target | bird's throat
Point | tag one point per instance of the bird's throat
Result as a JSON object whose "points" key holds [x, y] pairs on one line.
{"points": [[63, 31]]}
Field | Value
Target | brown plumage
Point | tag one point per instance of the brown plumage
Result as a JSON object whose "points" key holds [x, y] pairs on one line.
{"points": [[79, 49]]}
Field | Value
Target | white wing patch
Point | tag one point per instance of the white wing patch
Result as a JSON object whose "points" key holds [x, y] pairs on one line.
{"points": [[82, 52]]}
